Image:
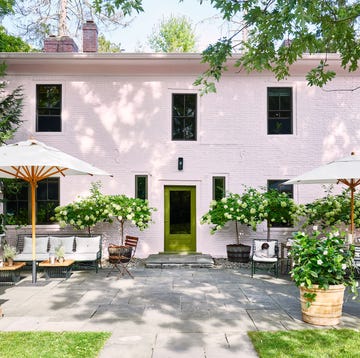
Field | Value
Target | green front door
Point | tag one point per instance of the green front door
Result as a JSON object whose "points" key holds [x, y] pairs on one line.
{"points": [[180, 219]]}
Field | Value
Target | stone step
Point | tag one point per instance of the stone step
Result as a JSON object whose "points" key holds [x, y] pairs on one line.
{"points": [[178, 260]]}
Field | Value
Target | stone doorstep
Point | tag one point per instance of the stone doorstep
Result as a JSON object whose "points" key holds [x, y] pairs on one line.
{"points": [[179, 260]]}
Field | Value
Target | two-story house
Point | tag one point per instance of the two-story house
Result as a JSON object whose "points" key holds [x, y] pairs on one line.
{"points": [[139, 117]]}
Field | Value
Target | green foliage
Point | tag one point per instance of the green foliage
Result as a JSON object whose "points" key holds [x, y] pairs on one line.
{"points": [[320, 343], [11, 104], [9, 43], [52, 344], [133, 210], [59, 251], [333, 210], [307, 26], [9, 252], [126, 6], [252, 208], [6, 7], [86, 212], [105, 46], [174, 34], [322, 259]]}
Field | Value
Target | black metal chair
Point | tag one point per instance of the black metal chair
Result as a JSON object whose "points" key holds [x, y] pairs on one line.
{"points": [[121, 255], [265, 254]]}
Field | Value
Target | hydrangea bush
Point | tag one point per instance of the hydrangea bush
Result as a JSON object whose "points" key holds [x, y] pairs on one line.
{"points": [[252, 208], [322, 259], [86, 212], [332, 210], [133, 210]]}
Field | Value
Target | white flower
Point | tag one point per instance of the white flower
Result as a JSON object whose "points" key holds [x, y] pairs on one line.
{"points": [[325, 252], [343, 266], [319, 262]]}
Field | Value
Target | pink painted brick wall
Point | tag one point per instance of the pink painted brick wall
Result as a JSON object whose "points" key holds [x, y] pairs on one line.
{"points": [[121, 122]]}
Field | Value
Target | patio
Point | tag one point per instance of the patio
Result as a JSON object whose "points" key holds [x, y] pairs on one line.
{"points": [[193, 312]]}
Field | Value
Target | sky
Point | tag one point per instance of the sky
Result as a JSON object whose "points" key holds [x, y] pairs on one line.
{"points": [[208, 24]]}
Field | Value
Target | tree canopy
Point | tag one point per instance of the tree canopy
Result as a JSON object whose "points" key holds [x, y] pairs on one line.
{"points": [[307, 27], [174, 34]]}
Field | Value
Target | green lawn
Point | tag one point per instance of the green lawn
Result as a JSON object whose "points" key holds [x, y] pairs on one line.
{"points": [[52, 344], [319, 343]]}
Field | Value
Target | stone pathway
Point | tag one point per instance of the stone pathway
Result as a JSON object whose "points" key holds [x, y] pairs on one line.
{"points": [[172, 312]]}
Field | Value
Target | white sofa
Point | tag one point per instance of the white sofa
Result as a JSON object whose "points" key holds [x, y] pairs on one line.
{"points": [[84, 250]]}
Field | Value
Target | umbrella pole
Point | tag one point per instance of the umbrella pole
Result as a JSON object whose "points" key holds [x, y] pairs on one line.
{"points": [[352, 224], [33, 227]]}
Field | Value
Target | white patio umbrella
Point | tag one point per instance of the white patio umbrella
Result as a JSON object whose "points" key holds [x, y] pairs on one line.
{"points": [[34, 161], [345, 171]]}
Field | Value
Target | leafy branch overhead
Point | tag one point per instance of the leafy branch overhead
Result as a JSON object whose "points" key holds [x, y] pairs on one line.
{"points": [[304, 26]]}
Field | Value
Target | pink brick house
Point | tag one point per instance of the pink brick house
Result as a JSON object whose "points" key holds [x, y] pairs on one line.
{"points": [[140, 117]]}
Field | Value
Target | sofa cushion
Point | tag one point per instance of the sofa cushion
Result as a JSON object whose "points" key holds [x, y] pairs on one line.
{"points": [[41, 245], [87, 244], [67, 242]]}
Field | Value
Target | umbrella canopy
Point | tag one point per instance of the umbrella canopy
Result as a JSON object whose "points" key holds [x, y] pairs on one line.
{"points": [[345, 170], [34, 161]]}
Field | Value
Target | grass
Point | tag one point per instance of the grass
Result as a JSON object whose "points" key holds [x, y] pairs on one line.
{"points": [[321, 343], [51, 344]]}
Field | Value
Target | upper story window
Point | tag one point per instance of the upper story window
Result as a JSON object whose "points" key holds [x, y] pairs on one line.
{"points": [[280, 110], [141, 187], [184, 108], [218, 188], [48, 108]]}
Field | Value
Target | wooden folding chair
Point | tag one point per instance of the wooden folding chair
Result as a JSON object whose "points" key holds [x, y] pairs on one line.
{"points": [[121, 256]]}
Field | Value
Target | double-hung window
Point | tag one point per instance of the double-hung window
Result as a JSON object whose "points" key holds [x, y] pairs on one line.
{"points": [[184, 108], [280, 110], [141, 186], [17, 199], [48, 108]]}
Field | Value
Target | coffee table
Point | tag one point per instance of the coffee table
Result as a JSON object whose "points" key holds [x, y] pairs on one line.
{"points": [[57, 269], [11, 274]]}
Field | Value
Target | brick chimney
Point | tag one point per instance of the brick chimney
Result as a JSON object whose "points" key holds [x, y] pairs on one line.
{"points": [[60, 44], [90, 37]]}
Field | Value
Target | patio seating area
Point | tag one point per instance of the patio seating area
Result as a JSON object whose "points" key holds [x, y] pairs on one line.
{"points": [[192, 312]]}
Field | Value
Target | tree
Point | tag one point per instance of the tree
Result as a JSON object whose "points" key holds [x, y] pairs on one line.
{"points": [[38, 19], [306, 26], [174, 34], [105, 46], [10, 109]]}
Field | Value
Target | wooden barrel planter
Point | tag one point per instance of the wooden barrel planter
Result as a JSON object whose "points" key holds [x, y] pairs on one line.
{"points": [[326, 310], [238, 252]]}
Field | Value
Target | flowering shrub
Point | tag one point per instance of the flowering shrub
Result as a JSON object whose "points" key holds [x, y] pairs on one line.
{"points": [[252, 208], [322, 259], [134, 210], [333, 210], [86, 212]]}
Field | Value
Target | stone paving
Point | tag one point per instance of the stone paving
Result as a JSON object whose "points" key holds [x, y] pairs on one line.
{"points": [[171, 312]]}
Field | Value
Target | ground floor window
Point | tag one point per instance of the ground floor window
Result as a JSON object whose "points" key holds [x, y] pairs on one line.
{"points": [[17, 201], [218, 188], [141, 187]]}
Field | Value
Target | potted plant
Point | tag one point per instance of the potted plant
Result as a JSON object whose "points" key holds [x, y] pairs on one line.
{"points": [[322, 268], [9, 253], [60, 253], [241, 209]]}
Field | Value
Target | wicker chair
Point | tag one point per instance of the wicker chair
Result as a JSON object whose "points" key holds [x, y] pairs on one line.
{"points": [[265, 253], [121, 256]]}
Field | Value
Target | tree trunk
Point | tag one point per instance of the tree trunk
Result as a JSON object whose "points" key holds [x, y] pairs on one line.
{"points": [[62, 18]]}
